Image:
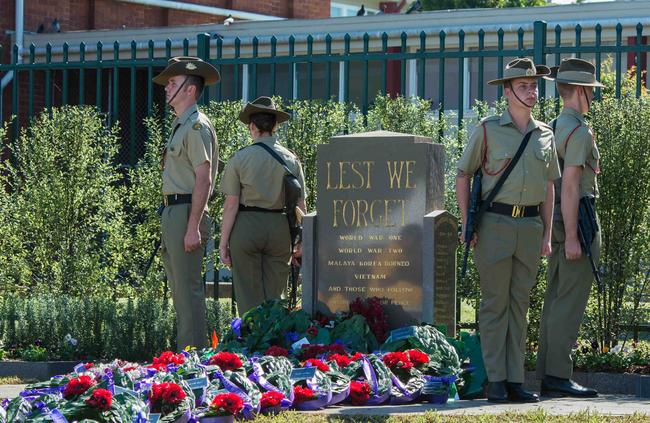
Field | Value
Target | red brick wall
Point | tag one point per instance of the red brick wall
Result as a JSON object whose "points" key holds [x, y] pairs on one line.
{"points": [[76, 15]]}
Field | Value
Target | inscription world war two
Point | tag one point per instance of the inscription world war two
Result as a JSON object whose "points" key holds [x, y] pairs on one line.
{"points": [[373, 191]]}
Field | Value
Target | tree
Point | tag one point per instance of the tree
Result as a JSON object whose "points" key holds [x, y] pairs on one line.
{"points": [[477, 4]]}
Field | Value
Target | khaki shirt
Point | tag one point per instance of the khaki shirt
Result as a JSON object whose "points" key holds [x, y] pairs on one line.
{"points": [[576, 147], [526, 185], [192, 143], [256, 177]]}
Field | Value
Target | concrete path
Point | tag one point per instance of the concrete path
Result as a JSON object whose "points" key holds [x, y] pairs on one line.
{"points": [[615, 405]]}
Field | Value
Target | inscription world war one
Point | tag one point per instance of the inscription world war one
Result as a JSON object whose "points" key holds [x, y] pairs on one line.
{"points": [[377, 196]]}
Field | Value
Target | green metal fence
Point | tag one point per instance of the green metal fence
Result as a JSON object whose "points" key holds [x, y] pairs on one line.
{"points": [[121, 86]]}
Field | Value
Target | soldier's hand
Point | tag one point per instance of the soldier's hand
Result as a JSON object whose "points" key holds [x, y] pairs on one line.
{"points": [[297, 250], [224, 254], [546, 247], [474, 238], [572, 249], [192, 240]]}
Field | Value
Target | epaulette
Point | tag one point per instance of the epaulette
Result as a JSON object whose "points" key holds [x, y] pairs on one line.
{"points": [[489, 119], [196, 121], [295, 155]]}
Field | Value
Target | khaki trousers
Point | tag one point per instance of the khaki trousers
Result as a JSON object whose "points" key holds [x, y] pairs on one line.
{"points": [[260, 249], [507, 257], [184, 275], [567, 294]]}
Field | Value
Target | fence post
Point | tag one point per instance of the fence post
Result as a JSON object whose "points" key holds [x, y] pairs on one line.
{"points": [[539, 48], [203, 53]]}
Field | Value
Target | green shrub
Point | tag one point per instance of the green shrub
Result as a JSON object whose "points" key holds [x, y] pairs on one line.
{"points": [[34, 353], [623, 134], [61, 225], [102, 328]]}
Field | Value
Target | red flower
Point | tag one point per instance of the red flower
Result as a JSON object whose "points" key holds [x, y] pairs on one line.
{"points": [[341, 360], [359, 392], [277, 352], [226, 361], [271, 399], [167, 357], [167, 393], [374, 314], [398, 360], [417, 357], [322, 319], [312, 351], [156, 393], [100, 398], [227, 404], [316, 350], [357, 356], [336, 349], [312, 330], [89, 365], [313, 362], [301, 394], [77, 386], [173, 394]]}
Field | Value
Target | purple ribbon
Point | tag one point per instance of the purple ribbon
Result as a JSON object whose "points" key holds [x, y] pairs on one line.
{"points": [[141, 417], [41, 391], [249, 410], [108, 377], [321, 402], [54, 413], [406, 396], [325, 396], [371, 377], [258, 376], [236, 327], [340, 397]]}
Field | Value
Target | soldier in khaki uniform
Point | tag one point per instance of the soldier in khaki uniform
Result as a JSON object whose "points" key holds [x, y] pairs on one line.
{"points": [[255, 238], [189, 168], [511, 235], [569, 272]]}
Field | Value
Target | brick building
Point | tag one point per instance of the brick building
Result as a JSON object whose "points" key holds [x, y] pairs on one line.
{"points": [[123, 90]]}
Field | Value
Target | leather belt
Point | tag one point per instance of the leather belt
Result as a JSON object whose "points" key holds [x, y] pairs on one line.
{"points": [[513, 210], [259, 209], [173, 199]]}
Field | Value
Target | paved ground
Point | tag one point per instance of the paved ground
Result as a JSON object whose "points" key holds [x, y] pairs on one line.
{"points": [[605, 404]]}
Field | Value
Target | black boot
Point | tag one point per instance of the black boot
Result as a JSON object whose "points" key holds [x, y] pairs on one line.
{"points": [[516, 393], [557, 387], [496, 392]]}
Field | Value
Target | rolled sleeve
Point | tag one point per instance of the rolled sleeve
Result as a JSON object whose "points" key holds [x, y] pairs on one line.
{"points": [[578, 148], [554, 165], [199, 146], [470, 161], [301, 179], [230, 182]]}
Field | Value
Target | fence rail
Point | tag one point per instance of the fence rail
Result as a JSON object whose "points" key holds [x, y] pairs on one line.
{"points": [[449, 68]]}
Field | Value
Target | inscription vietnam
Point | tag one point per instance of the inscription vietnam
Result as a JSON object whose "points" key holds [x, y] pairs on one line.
{"points": [[373, 191]]}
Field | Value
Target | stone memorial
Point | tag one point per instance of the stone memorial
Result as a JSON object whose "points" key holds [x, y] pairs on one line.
{"points": [[380, 229]]}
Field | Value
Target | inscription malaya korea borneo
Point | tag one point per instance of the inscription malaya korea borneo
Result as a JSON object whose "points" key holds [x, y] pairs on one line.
{"points": [[374, 190]]}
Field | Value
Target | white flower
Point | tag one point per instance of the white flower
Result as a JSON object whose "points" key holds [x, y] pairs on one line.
{"points": [[67, 338], [617, 349], [73, 342]]}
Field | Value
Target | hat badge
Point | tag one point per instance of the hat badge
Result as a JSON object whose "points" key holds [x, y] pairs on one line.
{"points": [[530, 72], [190, 66]]}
